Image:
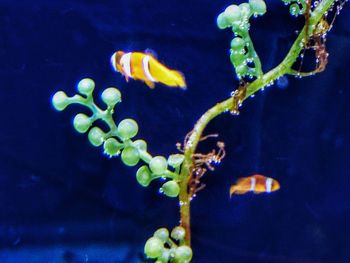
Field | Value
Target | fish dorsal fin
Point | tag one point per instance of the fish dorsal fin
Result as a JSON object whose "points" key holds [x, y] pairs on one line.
{"points": [[151, 53]]}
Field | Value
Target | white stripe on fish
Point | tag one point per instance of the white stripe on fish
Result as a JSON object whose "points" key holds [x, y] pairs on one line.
{"points": [[145, 66], [268, 185], [125, 62], [252, 184]]}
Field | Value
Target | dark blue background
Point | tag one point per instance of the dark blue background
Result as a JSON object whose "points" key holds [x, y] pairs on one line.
{"points": [[63, 201]]}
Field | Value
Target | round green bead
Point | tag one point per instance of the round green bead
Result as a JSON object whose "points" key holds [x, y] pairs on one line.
{"points": [[162, 234], [175, 160], [158, 165], [294, 9], [232, 14], [237, 58], [178, 233], [258, 6], [112, 147], [183, 254], [60, 100], [130, 156], [86, 86], [165, 256], [144, 176], [140, 145], [96, 136], [245, 10], [82, 122], [237, 44], [153, 247], [242, 70], [111, 96], [127, 129], [171, 189], [221, 21]]}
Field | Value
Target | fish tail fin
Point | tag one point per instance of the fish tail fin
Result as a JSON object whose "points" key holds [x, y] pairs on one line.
{"points": [[233, 189], [179, 79]]}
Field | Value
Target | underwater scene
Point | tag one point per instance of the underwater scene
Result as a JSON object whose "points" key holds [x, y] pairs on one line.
{"points": [[175, 131]]}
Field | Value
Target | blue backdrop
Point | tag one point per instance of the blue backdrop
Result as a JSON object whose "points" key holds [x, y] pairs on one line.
{"points": [[63, 201]]}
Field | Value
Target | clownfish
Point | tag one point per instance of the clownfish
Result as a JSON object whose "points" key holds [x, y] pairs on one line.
{"points": [[145, 67], [256, 183]]}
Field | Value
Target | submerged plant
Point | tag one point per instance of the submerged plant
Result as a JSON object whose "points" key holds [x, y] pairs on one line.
{"points": [[181, 173]]}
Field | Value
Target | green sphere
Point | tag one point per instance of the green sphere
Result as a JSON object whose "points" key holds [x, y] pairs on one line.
{"points": [[141, 145], [175, 160], [221, 21], [294, 9], [60, 100], [165, 256], [237, 58], [144, 176], [183, 254], [232, 14], [96, 136], [237, 44], [111, 96], [112, 147], [162, 234], [171, 189], [86, 86], [130, 156], [158, 165], [258, 6], [242, 70], [153, 247], [245, 10], [178, 233], [81, 122], [127, 129]]}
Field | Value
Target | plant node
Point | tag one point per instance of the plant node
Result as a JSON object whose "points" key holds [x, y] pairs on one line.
{"points": [[238, 96]]}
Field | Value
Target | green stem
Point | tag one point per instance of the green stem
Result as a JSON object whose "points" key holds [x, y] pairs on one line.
{"points": [[285, 67], [252, 53]]}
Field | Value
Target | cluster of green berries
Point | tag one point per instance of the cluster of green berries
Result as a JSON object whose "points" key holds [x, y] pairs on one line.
{"points": [[242, 53], [118, 140], [166, 248], [297, 7]]}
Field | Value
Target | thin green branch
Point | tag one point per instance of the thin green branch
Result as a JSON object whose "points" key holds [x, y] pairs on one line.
{"points": [[285, 67]]}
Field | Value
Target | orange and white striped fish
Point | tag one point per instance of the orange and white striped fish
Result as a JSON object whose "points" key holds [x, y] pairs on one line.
{"points": [[256, 183], [143, 66]]}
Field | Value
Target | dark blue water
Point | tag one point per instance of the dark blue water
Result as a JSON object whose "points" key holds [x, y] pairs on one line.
{"points": [[63, 201]]}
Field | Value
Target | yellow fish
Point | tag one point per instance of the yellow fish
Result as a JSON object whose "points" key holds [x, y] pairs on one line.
{"points": [[143, 66], [256, 183]]}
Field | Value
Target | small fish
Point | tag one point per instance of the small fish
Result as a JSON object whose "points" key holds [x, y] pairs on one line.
{"points": [[145, 67], [256, 183]]}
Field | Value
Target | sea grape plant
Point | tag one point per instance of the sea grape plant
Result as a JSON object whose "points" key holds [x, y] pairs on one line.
{"points": [[181, 172], [118, 140]]}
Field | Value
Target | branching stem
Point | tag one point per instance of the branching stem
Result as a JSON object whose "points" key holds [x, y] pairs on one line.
{"points": [[285, 67]]}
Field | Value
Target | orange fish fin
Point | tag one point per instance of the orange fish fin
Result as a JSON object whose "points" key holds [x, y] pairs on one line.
{"points": [[179, 79], [236, 190], [232, 190], [150, 84]]}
